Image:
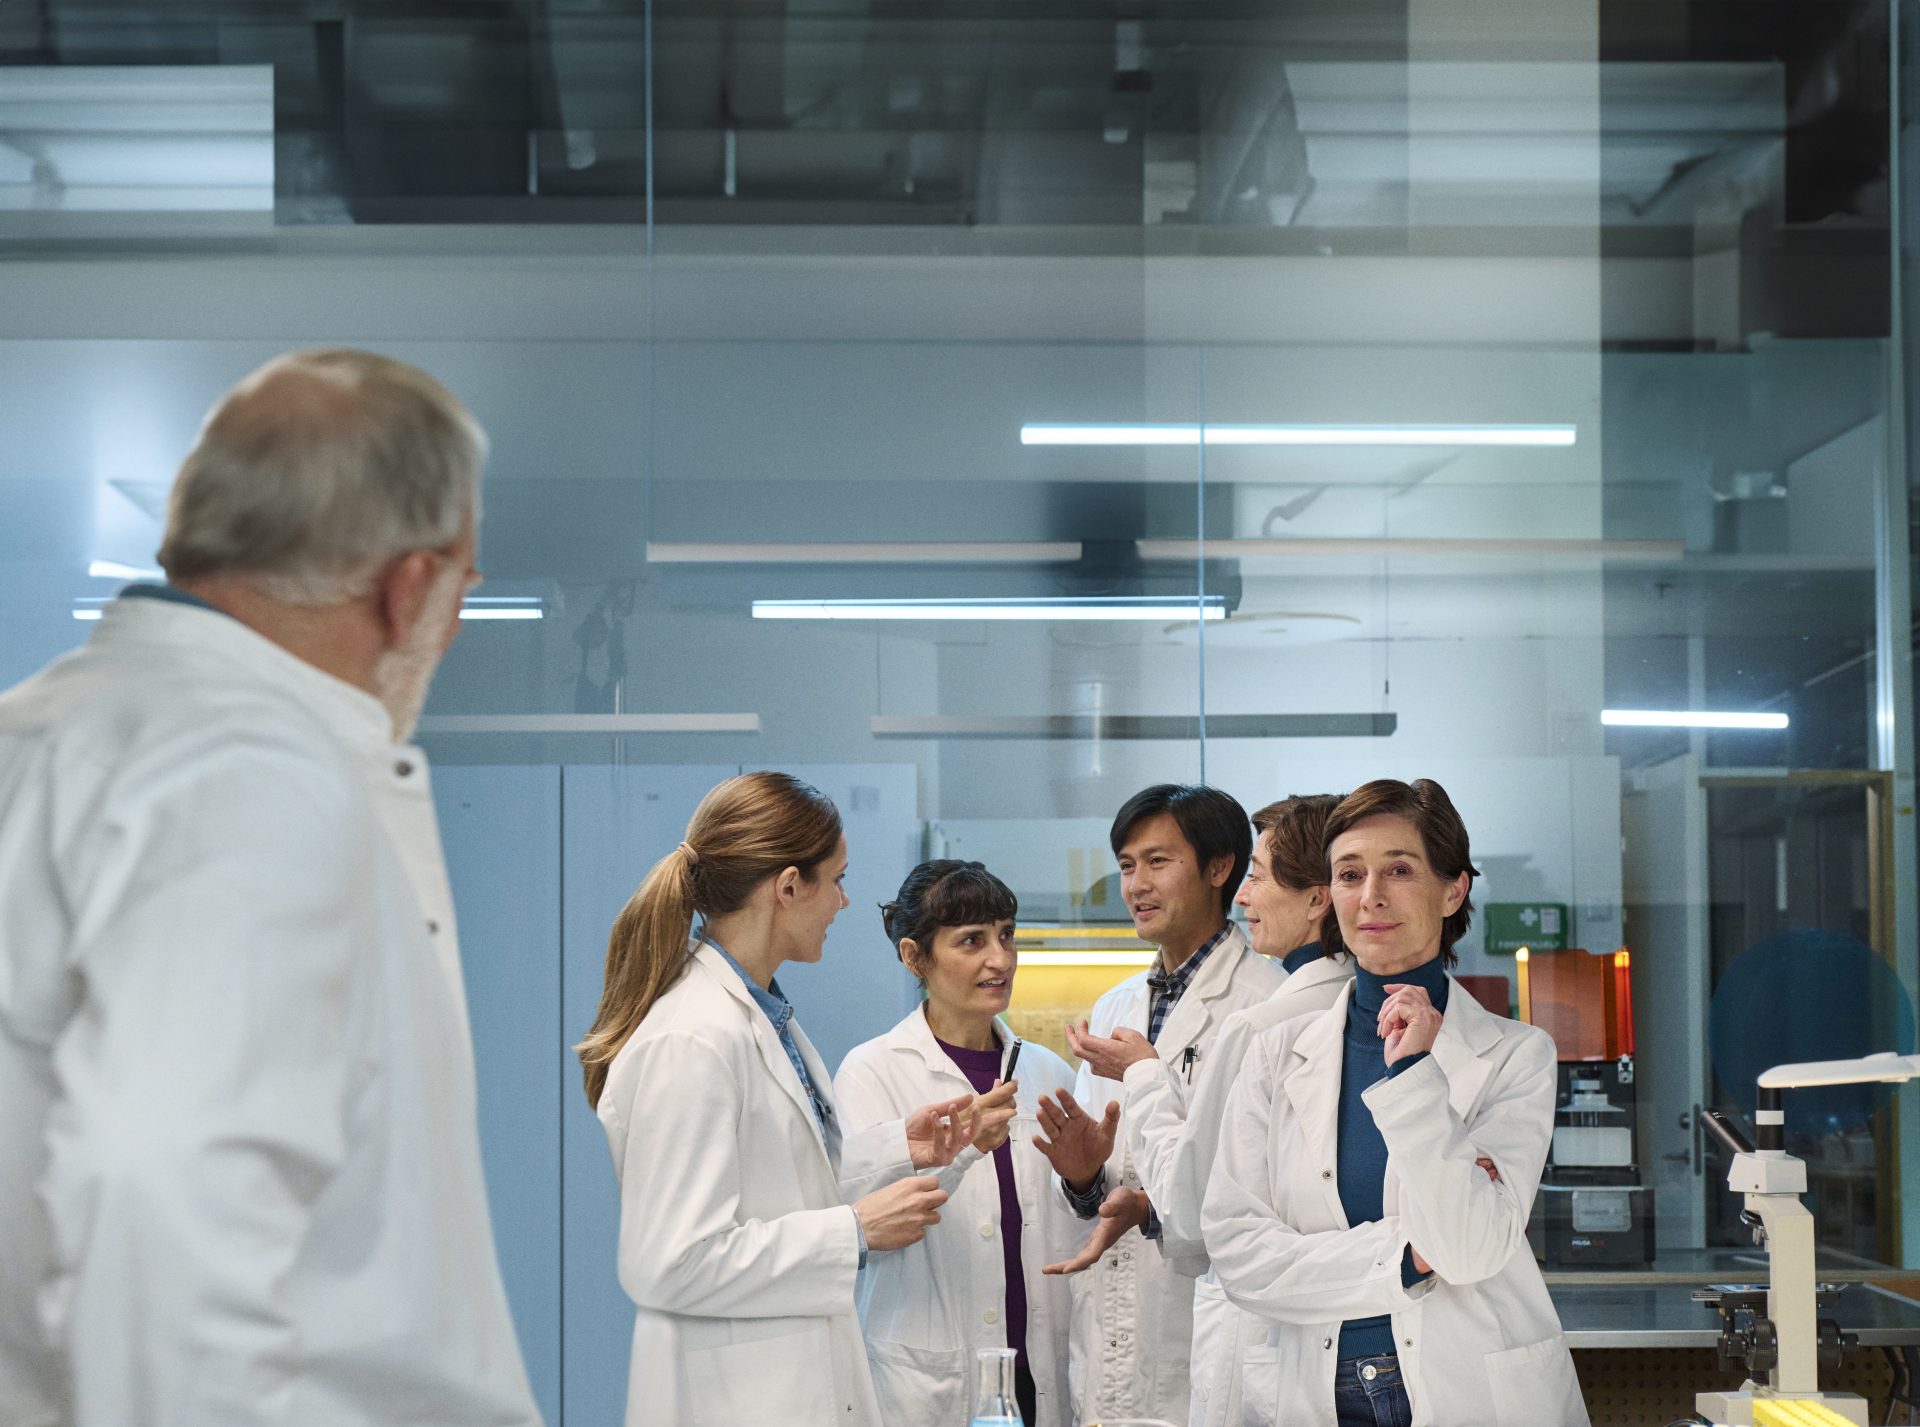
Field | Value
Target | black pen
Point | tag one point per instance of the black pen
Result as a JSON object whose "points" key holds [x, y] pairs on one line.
{"points": [[1187, 1058], [1013, 1059]]}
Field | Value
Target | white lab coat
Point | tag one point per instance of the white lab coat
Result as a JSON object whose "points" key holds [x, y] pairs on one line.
{"points": [[1133, 1310], [1479, 1342], [929, 1307], [239, 1164], [1173, 1147], [737, 1242]]}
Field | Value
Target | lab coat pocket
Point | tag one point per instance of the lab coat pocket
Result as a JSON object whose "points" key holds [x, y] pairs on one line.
{"points": [[1534, 1386], [786, 1379], [1259, 1372], [927, 1386]]}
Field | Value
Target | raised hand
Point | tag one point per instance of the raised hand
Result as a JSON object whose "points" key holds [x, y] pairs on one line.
{"points": [[1120, 1211], [993, 1115], [1076, 1144], [936, 1133], [1408, 1022], [1109, 1056]]}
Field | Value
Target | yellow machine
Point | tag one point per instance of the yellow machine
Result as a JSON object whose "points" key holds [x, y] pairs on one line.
{"points": [[1063, 971]]}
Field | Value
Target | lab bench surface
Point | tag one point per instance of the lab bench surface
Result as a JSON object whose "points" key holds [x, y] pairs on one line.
{"points": [[1663, 1315], [1700, 1267]]}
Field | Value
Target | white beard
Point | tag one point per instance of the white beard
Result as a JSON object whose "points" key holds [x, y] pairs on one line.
{"points": [[401, 676]]}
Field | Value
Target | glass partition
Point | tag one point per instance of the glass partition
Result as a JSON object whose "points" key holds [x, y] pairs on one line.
{"points": [[989, 412]]}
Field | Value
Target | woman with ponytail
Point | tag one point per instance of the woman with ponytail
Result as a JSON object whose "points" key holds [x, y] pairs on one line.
{"points": [[745, 1211]]}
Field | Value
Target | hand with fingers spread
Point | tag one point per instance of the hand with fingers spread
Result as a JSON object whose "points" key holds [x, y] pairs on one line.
{"points": [[900, 1214], [1420, 1265], [1122, 1210], [1076, 1144], [936, 1133], [993, 1115], [1109, 1056], [1408, 1023]]}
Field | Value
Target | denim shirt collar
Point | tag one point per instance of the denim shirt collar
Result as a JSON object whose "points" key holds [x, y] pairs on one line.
{"points": [[768, 998]]}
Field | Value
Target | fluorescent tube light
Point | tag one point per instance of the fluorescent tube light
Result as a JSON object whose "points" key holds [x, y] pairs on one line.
{"points": [[1108, 608], [114, 570], [86, 614], [1086, 958], [1682, 718], [1037, 433], [502, 607]]}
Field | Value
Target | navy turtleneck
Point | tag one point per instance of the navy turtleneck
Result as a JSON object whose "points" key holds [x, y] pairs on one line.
{"points": [[1362, 1150], [1301, 956]]}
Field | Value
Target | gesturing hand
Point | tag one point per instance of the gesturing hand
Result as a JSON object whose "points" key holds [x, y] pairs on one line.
{"points": [[936, 1133], [1408, 1022], [1120, 1211], [899, 1215], [1109, 1056], [993, 1116], [1075, 1143]]}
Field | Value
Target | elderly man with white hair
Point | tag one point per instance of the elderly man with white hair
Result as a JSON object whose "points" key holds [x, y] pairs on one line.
{"points": [[240, 1175]]}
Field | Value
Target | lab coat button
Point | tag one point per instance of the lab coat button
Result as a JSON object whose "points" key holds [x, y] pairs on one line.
{"points": [[1326, 1174], [990, 1317], [1409, 1342], [1326, 1342], [403, 769], [433, 927], [986, 1231]]}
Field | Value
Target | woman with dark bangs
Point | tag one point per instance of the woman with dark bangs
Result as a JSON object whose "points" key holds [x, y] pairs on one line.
{"points": [[975, 1281]]}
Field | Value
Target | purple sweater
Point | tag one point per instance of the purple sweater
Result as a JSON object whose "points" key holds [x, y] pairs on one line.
{"points": [[982, 1068]]}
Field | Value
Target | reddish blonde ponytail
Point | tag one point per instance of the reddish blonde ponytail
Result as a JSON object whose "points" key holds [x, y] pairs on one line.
{"points": [[745, 831]]}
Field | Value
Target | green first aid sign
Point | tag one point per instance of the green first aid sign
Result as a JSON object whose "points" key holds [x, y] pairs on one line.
{"points": [[1544, 926]]}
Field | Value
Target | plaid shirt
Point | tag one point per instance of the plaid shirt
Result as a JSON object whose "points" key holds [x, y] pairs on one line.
{"points": [[1164, 992]]}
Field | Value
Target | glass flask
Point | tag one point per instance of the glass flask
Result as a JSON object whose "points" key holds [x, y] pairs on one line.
{"points": [[994, 1403]]}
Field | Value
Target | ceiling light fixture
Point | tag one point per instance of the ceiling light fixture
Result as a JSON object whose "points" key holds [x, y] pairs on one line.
{"points": [[1683, 718], [1042, 433], [1128, 607], [114, 570], [502, 607]]}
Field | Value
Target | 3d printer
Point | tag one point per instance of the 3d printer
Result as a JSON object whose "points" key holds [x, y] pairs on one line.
{"points": [[1593, 1209]]}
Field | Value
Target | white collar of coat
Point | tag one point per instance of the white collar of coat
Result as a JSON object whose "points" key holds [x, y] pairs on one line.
{"points": [[767, 1039], [1192, 1012], [1467, 1032], [355, 715], [914, 1036], [1320, 971]]}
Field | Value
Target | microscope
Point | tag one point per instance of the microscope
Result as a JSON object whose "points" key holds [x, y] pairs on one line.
{"points": [[1780, 1334]]}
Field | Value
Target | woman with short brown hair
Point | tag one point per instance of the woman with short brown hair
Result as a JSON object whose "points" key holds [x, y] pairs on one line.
{"points": [[1371, 1194]]}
